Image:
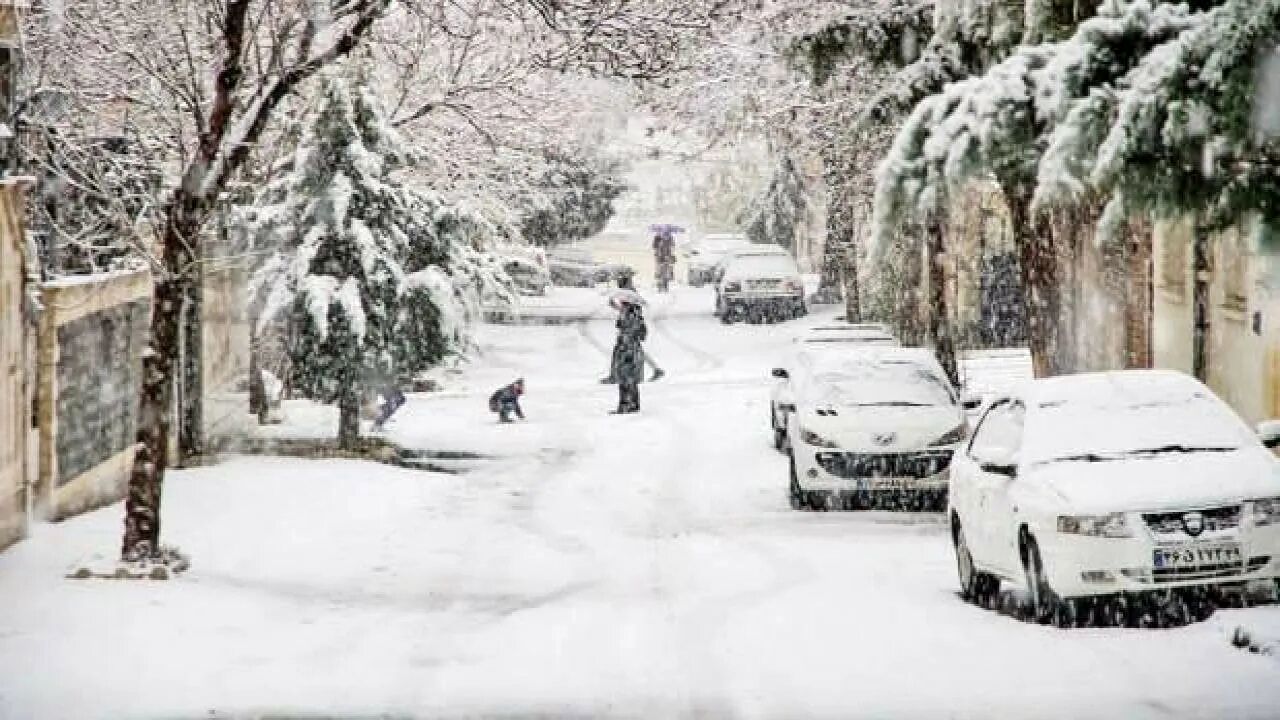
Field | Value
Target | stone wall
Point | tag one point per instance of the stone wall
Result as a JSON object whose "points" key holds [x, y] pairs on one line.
{"points": [[92, 335]]}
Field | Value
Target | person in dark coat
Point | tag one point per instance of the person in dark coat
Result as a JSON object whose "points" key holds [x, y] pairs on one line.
{"points": [[628, 356], [626, 282], [506, 401]]}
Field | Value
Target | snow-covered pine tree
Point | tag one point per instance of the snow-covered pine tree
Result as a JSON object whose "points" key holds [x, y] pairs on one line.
{"points": [[777, 216], [371, 280]]}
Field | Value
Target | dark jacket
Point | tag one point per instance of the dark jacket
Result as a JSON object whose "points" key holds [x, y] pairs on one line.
{"points": [[508, 396], [628, 356]]}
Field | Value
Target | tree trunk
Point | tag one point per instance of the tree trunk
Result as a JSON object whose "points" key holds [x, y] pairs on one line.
{"points": [[349, 419], [1042, 290], [1200, 304], [940, 332], [833, 251], [849, 271], [180, 245], [258, 404], [1138, 296], [191, 407]]}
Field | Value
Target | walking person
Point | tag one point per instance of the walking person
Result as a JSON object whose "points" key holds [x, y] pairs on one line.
{"points": [[628, 353], [505, 401], [626, 282]]}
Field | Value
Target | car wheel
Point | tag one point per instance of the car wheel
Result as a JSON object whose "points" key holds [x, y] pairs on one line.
{"points": [[780, 439], [1043, 602], [819, 501], [797, 495], [976, 586]]}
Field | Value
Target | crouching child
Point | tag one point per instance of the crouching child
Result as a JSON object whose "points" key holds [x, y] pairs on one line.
{"points": [[506, 401]]}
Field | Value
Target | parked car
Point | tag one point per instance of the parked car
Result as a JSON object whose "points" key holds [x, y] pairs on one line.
{"points": [[702, 256], [576, 267], [529, 277], [871, 427], [1115, 488], [782, 398], [759, 287], [748, 250]]}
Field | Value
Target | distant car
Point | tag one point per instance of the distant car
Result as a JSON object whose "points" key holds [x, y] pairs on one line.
{"points": [[529, 277], [760, 287], [748, 250], [576, 267], [702, 256], [1114, 486], [871, 427]]}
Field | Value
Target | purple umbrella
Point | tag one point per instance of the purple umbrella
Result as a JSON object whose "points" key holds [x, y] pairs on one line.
{"points": [[666, 229]]}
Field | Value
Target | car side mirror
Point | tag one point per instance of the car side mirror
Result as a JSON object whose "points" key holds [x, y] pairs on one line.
{"points": [[970, 401], [781, 373], [1269, 433], [998, 461]]}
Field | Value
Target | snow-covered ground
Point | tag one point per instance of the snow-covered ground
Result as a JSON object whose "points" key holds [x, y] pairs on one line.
{"points": [[641, 566]]}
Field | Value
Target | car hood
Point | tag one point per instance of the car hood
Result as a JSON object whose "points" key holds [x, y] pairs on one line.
{"points": [[1160, 482], [882, 429]]}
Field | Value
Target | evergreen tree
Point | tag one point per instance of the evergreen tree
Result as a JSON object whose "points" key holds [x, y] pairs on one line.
{"points": [[375, 281]]}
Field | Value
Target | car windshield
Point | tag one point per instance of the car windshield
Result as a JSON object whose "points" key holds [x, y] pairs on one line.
{"points": [[880, 384], [1124, 428], [574, 254], [766, 265]]}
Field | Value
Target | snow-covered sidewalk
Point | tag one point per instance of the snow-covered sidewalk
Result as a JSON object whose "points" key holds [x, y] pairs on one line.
{"points": [[644, 566]]}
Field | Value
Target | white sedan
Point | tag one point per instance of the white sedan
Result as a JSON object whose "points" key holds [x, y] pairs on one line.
{"points": [[809, 344], [1109, 492], [872, 427]]}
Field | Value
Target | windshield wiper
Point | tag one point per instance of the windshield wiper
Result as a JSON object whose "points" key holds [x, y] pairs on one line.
{"points": [[1145, 452], [894, 403], [1083, 457], [1166, 449]]}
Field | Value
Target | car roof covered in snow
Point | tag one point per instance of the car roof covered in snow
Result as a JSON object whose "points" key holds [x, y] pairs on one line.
{"points": [[1123, 412]]}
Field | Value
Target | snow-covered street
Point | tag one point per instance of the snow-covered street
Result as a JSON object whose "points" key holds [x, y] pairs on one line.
{"points": [[642, 566]]}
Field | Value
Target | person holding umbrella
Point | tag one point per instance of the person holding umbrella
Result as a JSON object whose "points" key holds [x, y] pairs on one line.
{"points": [[628, 351], [625, 282]]}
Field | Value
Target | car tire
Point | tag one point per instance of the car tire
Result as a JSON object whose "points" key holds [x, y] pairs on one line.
{"points": [[1043, 603], [977, 587], [796, 494]]}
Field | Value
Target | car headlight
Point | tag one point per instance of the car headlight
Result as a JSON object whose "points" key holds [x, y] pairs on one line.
{"points": [[953, 436], [1112, 525], [812, 438], [1266, 511], [733, 287]]}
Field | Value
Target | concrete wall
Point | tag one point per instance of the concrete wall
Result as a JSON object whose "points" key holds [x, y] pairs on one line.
{"points": [[92, 334], [1244, 332]]}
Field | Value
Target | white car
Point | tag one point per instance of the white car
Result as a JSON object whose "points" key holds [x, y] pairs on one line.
{"points": [[702, 256], [817, 339], [875, 426], [758, 287], [1110, 485]]}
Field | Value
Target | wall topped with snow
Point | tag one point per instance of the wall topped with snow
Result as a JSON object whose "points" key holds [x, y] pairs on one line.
{"points": [[92, 335]]}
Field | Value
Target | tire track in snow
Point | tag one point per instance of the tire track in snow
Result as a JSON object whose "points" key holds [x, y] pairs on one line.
{"points": [[707, 361]]}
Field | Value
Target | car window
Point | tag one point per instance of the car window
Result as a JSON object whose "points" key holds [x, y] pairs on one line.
{"points": [[1001, 427]]}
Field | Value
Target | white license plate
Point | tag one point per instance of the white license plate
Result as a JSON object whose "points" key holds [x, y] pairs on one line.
{"points": [[1193, 556]]}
